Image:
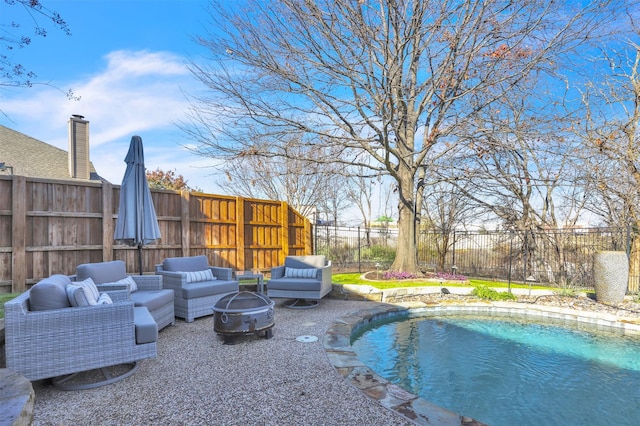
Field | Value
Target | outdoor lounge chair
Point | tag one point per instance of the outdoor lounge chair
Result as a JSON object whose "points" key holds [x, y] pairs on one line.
{"points": [[46, 337], [197, 285], [148, 290], [306, 279]]}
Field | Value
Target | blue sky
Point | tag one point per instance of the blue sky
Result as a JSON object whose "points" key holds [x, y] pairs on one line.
{"points": [[127, 60]]}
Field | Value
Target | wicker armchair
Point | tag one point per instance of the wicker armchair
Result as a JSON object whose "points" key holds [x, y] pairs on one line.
{"points": [[305, 279], [196, 297], [150, 292], [57, 342]]}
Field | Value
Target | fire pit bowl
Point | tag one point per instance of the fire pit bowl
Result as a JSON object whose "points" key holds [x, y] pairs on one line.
{"points": [[241, 313]]}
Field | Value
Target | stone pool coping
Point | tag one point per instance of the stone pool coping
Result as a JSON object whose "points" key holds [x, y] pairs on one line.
{"points": [[337, 346]]}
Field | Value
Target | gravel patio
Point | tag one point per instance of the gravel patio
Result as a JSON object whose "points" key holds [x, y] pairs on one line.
{"points": [[197, 380]]}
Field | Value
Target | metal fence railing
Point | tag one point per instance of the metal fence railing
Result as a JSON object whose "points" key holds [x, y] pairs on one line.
{"points": [[554, 257]]}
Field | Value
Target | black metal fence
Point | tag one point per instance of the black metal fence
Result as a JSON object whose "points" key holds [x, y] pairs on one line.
{"points": [[563, 258]]}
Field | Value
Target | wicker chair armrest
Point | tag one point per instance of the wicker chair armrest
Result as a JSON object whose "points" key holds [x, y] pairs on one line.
{"points": [[148, 282], [110, 287], [225, 274], [325, 274], [277, 272], [174, 274], [173, 279], [118, 296], [17, 306]]}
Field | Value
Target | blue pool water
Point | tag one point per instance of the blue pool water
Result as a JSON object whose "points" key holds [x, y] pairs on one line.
{"points": [[503, 371]]}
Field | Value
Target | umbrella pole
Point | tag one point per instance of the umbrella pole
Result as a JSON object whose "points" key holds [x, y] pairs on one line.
{"points": [[140, 257]]}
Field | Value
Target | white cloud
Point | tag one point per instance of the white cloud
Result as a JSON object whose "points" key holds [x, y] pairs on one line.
{"points": [[143, 63], [137, 93], [136, 90]]}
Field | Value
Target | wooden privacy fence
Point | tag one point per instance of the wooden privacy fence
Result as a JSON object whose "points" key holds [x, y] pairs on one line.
{"points": [[49, 227]]}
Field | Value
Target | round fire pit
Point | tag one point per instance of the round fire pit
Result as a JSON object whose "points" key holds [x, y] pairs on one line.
{"points": [[243, 312]]}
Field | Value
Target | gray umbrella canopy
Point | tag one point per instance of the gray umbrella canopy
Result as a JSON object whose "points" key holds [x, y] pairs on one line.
{"points": [[137, 223]]}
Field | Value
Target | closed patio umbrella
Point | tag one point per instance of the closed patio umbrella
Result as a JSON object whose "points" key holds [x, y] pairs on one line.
{"points": [[137, 223]]}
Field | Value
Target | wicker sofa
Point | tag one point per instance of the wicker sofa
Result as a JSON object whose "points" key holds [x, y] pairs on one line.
{"points": [[197, 285], [305, 279], [149, 290], [46, 337]]}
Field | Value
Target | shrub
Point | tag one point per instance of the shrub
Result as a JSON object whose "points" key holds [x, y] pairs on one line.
{"points": [[391, 275], [450, 277], [381, 254], [569, 292], [487, 293], [339, 255]]}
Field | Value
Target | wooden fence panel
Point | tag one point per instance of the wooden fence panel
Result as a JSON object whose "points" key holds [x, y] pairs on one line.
{"points": [[53, 226], [207, 228], [168, 211], [299, 234], [64, 227], [6, 235], [263, 239], [168, 205], [213, 227]]}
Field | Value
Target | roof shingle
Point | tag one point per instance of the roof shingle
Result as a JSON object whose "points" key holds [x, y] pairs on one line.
{"points": [[33, 158]]}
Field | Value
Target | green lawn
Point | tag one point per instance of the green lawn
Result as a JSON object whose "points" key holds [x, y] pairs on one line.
{"points": [[5, 297], [354, 278]]}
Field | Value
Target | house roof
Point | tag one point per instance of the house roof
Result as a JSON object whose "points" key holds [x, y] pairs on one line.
{"points": [[33, 158]]}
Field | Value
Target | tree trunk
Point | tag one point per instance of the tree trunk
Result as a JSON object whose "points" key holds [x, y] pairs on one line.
{"points": [[405, 260], [634, 267], [442, 245], [406, 254]]}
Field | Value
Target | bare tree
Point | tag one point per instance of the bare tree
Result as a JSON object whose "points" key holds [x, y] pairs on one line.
{"points": [[611, 135], [388, 80], [445, 208], [520, 166], [515, 164], [295, 177], [15, 34], [360, 193], [612, 140], [335, 200]]}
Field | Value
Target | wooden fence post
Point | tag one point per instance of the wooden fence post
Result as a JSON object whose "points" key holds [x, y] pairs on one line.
{"points": [[186, 224], [308, 237], [107, 222], [240, 242], [18, 235], [284, 229]]}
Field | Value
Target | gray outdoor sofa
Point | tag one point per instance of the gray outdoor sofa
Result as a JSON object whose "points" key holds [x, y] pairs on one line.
{"points": [[47, 337], [148, 291], [306, 279], [197, 285]]}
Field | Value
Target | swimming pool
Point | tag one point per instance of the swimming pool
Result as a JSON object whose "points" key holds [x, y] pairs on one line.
{"points": [[503, 370]]}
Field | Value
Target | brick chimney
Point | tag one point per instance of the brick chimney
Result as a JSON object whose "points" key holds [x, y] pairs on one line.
{"points": [[79, 147]]}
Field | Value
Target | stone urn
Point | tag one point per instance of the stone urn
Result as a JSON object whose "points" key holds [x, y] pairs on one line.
{"points": [[611, 274]]}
